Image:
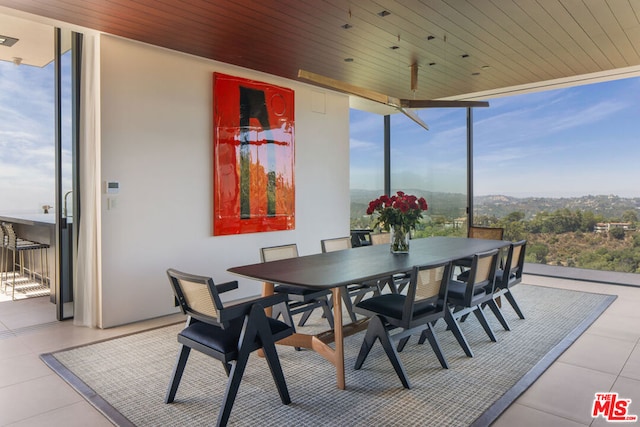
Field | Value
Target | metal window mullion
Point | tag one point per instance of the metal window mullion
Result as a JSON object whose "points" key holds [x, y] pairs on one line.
{"points": [[469, 167], [387, 155]]}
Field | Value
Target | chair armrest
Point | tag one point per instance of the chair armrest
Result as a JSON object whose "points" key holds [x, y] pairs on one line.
{"points": [[271, 300], [242, 308], [226, 287]]}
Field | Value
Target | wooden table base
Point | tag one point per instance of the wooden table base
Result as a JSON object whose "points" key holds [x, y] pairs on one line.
{"points": [[320, 342]]}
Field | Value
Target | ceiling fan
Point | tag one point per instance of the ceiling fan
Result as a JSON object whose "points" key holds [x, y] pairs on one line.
{"points": [[402, 105]]}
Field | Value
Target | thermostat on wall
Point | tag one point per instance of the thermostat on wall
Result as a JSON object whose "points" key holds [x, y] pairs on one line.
{"points": [[112, 187]]}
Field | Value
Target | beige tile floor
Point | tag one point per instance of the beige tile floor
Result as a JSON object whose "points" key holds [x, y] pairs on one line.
{"points": [[605, 358]]}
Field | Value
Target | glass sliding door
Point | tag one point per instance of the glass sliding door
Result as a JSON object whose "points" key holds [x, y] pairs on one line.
{"points": [[67, 48]]}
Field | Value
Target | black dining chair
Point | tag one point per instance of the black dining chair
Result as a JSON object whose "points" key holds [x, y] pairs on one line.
{"points": [[511, 274], [398, 281], [355, 290], [300, 300], [413, 313], [228, 332], [466, 297], [360, 237], [508, 274], [478, 232]]}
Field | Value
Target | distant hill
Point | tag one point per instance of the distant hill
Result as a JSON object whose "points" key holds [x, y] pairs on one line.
{"points": [[449, 205], [452, 205], [610, 206]]}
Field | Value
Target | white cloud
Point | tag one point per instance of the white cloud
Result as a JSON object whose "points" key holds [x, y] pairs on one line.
{"points": [[27, 158], [359, 144]]}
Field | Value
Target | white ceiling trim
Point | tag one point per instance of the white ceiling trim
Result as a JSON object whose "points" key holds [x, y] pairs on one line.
{"points": [[601, 76]]}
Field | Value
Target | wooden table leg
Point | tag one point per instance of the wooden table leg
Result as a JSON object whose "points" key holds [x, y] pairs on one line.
{"points": [[320, 343], [339, 339]]}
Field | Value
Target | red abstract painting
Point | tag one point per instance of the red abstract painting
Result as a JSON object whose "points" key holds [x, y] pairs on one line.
{"points": [[253, 156]]}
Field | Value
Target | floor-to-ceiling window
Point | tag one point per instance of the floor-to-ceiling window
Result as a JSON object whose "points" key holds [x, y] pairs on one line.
{"points": [[367, 164], [430, 164], [559, 168]]}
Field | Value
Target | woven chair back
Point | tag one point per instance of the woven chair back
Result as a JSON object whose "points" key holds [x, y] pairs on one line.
{"points": [[483, 269], [515, 258], [338, 244], [198, 298], [428, 283], [489, 233], [275, 253], [381, 239]]}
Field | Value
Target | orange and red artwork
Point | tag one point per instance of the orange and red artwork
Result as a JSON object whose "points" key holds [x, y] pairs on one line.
{"points": [[253, 156]]}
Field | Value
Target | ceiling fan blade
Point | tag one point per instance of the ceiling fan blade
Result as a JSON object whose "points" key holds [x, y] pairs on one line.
{"points": [[413, 116], [347, 88], [433, 103]]}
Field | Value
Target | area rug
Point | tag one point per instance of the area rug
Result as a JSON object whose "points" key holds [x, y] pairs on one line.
{"points": [[126, 378]]}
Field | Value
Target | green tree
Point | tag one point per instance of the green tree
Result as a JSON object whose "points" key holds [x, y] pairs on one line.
{"points": [[536, 224], [588, 221], [514, 217], [617, 233], [630, 216], [514, 226], [563, 221], [537, 253]]}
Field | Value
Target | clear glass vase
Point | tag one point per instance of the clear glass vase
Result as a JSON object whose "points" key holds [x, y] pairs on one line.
{"points": [[399, 239]]}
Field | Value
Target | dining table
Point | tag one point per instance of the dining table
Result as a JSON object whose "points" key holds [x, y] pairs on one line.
{"points": [[333, 270]]}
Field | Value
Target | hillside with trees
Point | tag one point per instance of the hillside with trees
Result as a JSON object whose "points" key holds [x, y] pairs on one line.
{"points": [[567, 238], [608, 207], [559, 231]]}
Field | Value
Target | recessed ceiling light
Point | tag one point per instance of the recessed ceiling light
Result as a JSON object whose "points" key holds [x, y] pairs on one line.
{"points": [[348, 59], [347, 26], [7, 41], [384, 13]]}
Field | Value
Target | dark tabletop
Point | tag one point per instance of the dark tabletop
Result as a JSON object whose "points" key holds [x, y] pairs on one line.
{"points": [[333, 269]]}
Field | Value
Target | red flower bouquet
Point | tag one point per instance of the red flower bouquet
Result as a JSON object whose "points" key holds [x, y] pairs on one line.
{"points": [[399, 214]]}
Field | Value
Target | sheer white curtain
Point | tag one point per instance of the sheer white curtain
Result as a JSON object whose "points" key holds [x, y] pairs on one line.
{"points": [[87, 277]]}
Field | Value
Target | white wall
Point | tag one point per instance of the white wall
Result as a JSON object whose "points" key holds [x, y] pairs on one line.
{"points": [[157, 142]]}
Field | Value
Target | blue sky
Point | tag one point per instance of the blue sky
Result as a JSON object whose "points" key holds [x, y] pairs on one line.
{"points": [[26, 137], [27, 150], [561, 143]]}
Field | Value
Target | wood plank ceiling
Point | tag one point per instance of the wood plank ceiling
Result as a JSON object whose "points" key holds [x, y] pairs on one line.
{"points": [[461, 47]]}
